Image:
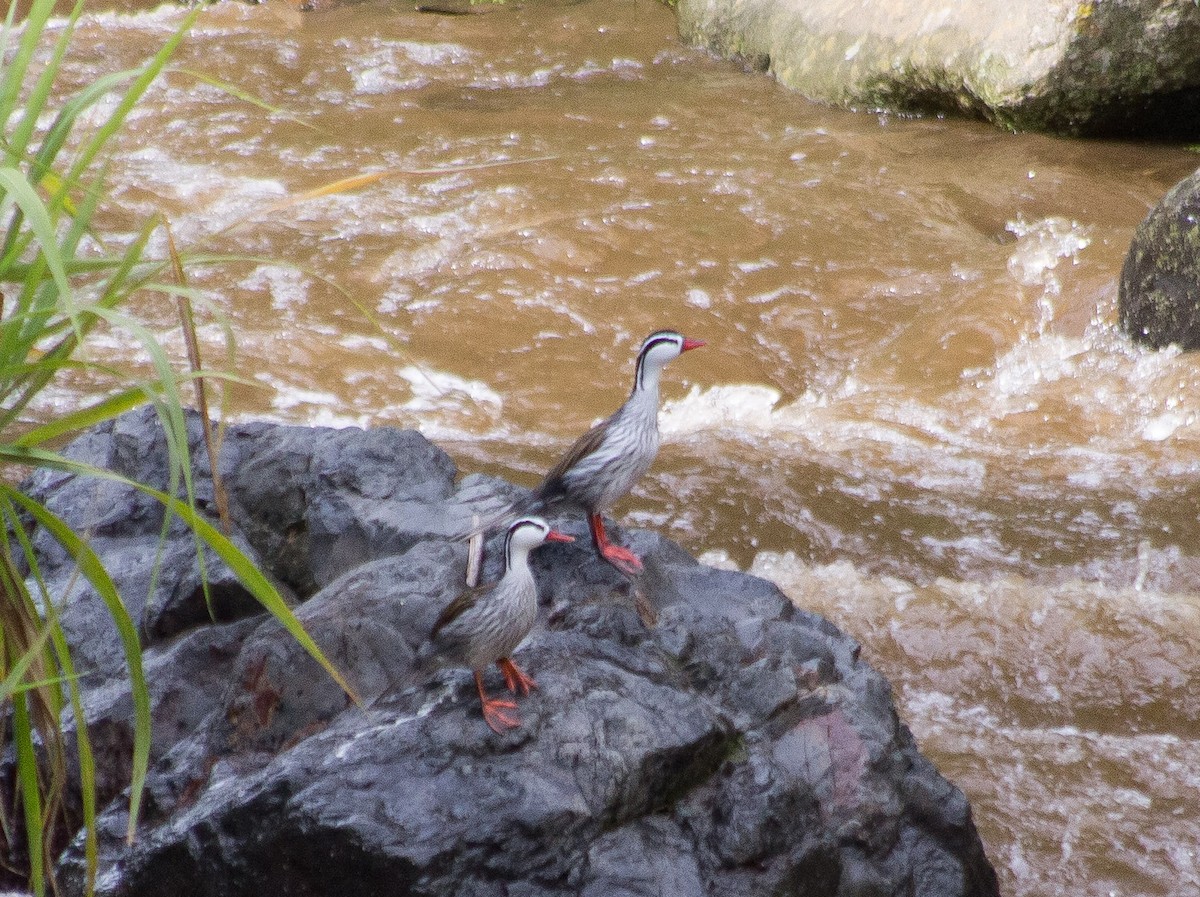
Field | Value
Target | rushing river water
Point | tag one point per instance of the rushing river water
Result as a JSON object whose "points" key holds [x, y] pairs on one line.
{"points": [[914, 413]]}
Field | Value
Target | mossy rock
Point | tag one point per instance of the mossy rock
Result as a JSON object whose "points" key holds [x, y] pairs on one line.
{"points": [[1159, 298]]}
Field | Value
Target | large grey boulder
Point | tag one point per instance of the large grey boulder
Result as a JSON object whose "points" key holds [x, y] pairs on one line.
{"points": [[1126, 67], [735, 746], [307, 504], [1159, 298]]}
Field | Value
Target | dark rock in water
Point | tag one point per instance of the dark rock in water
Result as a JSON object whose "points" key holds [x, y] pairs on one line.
{"points": [[1066, 67], [1159, 299], [738, 747]]}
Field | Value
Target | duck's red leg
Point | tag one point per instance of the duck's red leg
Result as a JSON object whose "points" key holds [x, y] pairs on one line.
{"points": [[514, 677], [621, 558], [494, 709]]}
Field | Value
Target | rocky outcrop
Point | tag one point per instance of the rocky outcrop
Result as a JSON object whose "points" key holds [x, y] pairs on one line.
{"points": [[1159, 298], [1124, 68], [737, 746]]}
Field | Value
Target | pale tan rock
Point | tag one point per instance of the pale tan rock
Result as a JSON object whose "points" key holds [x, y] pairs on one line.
{"points": [[1081, 68]]}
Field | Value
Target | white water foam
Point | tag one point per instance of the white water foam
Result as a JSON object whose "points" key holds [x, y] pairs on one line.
{"points": [[1041, 247], [435, 390], [738, 407]]}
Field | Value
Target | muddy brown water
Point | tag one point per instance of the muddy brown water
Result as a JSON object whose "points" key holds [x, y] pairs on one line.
{"points": [[914, 413]]}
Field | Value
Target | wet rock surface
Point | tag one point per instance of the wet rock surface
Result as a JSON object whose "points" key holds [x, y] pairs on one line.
{"points": [[1159, 297], [1080, 69], [737, 746]]}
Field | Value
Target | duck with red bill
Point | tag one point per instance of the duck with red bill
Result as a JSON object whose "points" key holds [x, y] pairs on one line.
{"points": [[485, 625]]}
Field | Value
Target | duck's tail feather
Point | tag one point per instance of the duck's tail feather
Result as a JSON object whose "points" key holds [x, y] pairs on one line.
{"points": [[498, 513]]}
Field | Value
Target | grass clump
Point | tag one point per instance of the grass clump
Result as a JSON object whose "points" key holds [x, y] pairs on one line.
{"points": [[61, 282]]}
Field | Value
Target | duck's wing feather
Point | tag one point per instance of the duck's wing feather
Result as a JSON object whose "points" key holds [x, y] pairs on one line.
{"points": [[456, 609], [585, 445]]}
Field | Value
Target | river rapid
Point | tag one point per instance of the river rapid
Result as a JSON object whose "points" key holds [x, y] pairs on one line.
{"points": [[914, 412]]}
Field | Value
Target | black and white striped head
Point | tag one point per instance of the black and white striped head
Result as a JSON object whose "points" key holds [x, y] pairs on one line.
{"points": [[526, 534], [659, 348]]}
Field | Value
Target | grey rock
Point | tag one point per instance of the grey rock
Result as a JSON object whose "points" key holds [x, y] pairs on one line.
{"points": [[306, 505], [1126, 68], [156, 570], [738, 745], [153, 559], [185, 680], [370, 623], [650, 858], [317, 503], [190, 595], [1159, 297]]}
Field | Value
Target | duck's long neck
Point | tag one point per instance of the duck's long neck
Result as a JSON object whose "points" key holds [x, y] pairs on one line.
{"points": [[516, 561], [641, 408], [645, 383]]}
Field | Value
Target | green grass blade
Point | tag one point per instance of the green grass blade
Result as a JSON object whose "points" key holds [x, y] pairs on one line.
{"points": [[35, 101], [82, 217], [150, 71], [6, 31], [21, 272], [93, 570], [251, 577], [103, 410], [255, 582], [87, 760], [169, 404], [29, 786], [245, 96], [14, 185], [17, 327], [51, 363], [66, 118], [17, 68], [83, 747], [28, 368], [31, 110], [83, 743], [13, 683]]}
